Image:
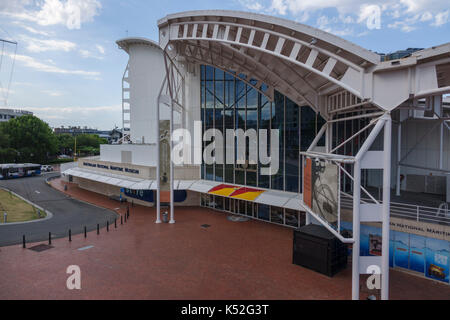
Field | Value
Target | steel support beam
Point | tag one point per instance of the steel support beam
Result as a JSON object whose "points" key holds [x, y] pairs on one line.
{"points": [[386, 207]]}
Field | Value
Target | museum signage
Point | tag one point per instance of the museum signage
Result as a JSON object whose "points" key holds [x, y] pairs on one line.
{"points": [[111, 167]]}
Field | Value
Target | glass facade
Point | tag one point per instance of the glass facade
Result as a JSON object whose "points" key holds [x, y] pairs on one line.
{"points": [[230, 103], [277, 215]]}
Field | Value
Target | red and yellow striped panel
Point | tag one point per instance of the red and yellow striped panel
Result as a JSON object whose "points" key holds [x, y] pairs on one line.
{"points": [[249, 194], [223, 190]]}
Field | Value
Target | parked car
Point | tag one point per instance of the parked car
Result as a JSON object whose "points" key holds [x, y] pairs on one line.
{"points": [[46, 168]]}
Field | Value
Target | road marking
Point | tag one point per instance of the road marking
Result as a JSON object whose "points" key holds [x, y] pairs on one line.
{"points": [[85, 248], [37, 192]]}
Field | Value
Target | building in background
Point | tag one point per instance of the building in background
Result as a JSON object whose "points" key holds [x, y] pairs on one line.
{"points": [[113, 136], [8, 114], [400, 54]]}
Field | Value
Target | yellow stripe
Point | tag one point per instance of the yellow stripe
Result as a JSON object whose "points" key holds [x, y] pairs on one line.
{"points": [[249, 196], [223, 192]]}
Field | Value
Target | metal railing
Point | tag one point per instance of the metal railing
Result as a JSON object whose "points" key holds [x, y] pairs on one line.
{"points": [[439, 215]]}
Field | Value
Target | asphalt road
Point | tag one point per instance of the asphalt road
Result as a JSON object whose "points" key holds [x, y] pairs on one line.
{"points": [[67, 213]]}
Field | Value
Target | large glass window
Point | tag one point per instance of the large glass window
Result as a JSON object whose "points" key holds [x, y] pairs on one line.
{"points": [[276, 215], [263, 212], [227, 102]]}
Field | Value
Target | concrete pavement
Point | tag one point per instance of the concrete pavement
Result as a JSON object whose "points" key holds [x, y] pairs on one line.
{"points": [[68, 213]]}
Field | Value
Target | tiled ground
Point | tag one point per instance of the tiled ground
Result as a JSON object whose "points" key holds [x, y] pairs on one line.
{"points": [[144, 260]]}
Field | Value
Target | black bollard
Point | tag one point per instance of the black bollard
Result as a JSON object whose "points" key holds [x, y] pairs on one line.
{"points": [[70, 235], [121, 219], [49, 238], [115, 222], [85, 232], [128, 211], [98, 228], [23, 242], [107, 226]]}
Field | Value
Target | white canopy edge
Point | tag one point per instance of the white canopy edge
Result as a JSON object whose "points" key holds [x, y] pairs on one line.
{"points": [[112, 179]]}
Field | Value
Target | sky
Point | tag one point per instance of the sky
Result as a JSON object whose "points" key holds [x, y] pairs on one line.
{"points": [[68, 68]]}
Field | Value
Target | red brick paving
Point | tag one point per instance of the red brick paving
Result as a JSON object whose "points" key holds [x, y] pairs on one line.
{"points": [[144, 260]]}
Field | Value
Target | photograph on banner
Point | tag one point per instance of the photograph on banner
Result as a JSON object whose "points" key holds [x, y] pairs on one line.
{"points": [[437, 259], [321, 189]]}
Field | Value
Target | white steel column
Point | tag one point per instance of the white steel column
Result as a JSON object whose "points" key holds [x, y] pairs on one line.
{"points": [[386, 208], [172, 213], [356, 230], [158, 165], [399, 155], [357, 206]]}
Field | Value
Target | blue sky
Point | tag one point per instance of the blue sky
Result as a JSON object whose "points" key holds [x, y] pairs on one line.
{"points": [[68, 71]]}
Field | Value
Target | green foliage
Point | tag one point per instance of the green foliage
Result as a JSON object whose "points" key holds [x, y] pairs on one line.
{"points": [[90, 140], [29, 139], [26, 139], [89, 144], [66, 142]]}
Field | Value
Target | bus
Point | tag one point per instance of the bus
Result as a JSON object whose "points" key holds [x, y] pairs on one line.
{"points": [[19, 170]]}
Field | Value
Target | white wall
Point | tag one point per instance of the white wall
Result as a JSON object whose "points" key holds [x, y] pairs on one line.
{"points": [[146, 73], [143, 155]]}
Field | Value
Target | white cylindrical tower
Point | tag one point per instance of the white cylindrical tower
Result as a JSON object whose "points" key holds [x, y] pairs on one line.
{"points": [[146, 71]]}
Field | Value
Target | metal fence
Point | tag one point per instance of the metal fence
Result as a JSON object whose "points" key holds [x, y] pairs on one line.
{"points": [[439, 215]]}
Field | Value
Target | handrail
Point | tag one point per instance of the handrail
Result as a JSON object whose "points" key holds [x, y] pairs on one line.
{"points": [[409, 211]]}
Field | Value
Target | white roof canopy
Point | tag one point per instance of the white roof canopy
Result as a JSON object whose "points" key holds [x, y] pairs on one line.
{"points": [[112, 179], [308, 65]]}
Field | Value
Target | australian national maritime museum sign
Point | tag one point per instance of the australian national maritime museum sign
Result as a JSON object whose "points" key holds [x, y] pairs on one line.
{"points": [[110, 167]]}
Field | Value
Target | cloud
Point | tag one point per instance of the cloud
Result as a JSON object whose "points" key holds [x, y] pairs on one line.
{"points": [[441, 18], [100, 49], [406, 15], [251, 5], [71, 13], [39, 45], [279, 6], [92, 116], [31, 29], [53, 93], [32, 63], [70, 110], [89, 54]]}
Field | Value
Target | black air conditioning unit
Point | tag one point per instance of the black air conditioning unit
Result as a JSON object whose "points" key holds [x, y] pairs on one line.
{"points": [[318, 249]]}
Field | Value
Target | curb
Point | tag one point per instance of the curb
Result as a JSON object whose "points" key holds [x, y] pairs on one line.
{"points": [[49, 215]]}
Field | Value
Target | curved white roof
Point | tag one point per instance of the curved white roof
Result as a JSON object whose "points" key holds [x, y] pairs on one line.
{"points": [[287, 25], [125, 43], [309, 66]]}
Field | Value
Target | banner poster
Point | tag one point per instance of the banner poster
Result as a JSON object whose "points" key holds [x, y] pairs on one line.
{"points": [[417, 253], [324, 183], [437, 259], [307, 183], [428, 256], [401, 247], [391, 248]]}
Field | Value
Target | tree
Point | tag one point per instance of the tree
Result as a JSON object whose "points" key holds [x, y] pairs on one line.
{"points": [[66, 143], [31, 138], [7, 154], [89, 144]]}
